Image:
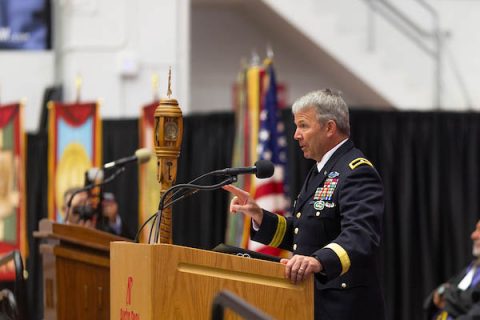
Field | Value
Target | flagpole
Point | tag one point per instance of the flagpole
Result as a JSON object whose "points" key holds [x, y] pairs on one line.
{"points": [[154, 81], [78, 87], [270, 53]]}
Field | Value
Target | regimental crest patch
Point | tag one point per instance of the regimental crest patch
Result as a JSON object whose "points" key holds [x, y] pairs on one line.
{"points": [[319, 205]]}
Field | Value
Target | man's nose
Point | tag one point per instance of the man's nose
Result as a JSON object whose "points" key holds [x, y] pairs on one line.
{"points": [[296, 135]]}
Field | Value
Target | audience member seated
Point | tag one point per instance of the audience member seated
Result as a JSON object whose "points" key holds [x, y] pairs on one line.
{"points": [[459, 297], [81, 212]]}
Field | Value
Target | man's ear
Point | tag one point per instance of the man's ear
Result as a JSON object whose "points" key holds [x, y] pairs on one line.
{"points": [[331, 128]]}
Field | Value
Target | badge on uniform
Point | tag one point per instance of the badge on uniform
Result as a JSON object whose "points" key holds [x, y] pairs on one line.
{"points": [[319, 205], [333, 174], [329, 204]]}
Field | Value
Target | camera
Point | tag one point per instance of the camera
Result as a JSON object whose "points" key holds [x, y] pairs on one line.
{"points": [[93, 207], [85, 212]]}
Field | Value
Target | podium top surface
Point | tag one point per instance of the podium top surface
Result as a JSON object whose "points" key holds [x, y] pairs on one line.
{"points": [[76, 234]]}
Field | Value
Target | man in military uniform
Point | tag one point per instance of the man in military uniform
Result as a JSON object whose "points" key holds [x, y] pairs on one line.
{"points": [[335, 230]]}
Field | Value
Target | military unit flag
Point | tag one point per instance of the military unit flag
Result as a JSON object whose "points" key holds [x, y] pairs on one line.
{"points": [[259, 135], [12, 185], [74, 146]]}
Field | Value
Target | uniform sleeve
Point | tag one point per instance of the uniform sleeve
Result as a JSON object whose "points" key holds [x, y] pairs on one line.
{"points": [[275, 231], [472, 314], [361, 208]]}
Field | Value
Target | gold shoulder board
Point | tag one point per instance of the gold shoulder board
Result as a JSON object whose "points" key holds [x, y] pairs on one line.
{"points": [[358, 162]]}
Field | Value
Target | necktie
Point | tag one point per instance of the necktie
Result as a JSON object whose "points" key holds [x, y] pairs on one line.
{"points": [[312, 176]]}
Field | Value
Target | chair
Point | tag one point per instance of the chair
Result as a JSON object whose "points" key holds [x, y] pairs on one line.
{"points": [[12, 304]]}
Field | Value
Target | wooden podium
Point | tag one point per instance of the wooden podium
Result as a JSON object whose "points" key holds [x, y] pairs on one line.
{"points": [[163, 281], [76, 271]]}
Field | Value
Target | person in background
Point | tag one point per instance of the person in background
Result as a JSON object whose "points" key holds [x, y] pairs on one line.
{"points": [[459, 297], [81, 212], [335, 229]]}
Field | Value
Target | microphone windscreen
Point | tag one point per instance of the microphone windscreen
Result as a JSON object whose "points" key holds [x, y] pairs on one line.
{"points": [[143, 155], [94, 175], [265, 169]]}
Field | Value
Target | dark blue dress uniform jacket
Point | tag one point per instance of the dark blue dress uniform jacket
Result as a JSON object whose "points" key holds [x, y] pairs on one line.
{"points": [[337, 218]]}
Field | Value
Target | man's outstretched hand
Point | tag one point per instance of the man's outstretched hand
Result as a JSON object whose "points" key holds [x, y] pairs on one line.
{"points": [[244, 203]]}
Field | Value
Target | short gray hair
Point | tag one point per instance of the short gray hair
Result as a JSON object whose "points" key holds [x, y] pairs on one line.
{"points": [[328, 105]]}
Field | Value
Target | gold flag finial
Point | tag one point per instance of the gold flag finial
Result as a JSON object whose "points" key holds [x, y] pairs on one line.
{"points": [[155, 86], [269, 59], [78, 87], [254, 59], [169, 92]]}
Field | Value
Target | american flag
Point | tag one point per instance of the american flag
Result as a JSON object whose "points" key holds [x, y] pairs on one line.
{"points": [[271, 193]]}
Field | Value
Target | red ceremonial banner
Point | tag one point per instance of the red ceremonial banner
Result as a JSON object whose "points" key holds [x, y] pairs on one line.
{"points": [[12, 185], [74, 146]]}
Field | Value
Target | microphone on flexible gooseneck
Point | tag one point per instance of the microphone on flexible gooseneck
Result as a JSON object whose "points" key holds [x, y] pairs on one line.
{"points": [[262, 169], [141, 156]]}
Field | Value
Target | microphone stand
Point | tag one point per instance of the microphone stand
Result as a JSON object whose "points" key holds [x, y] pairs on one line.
{"points": [[154, 216], [160, 208], [171, 203], [231, 179], [89, 187], [159, 213]]}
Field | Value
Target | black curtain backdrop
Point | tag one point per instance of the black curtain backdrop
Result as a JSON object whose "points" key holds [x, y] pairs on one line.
{"points": [[429, 166], [428, 162], [207, 145], [36, 206], [120, 139]]}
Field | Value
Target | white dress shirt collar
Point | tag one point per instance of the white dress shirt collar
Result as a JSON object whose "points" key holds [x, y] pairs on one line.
{"points": [[328, 155]]}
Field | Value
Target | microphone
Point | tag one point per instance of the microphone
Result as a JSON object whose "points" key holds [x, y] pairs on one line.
{"points": [[93, 175], [262, 169], [141, 156]]}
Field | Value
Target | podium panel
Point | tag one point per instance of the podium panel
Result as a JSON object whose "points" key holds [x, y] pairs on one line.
{"points": [[76, 271], [163, 281]]}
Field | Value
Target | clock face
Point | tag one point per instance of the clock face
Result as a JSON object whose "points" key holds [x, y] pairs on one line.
{"points": [[171, 131]]}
